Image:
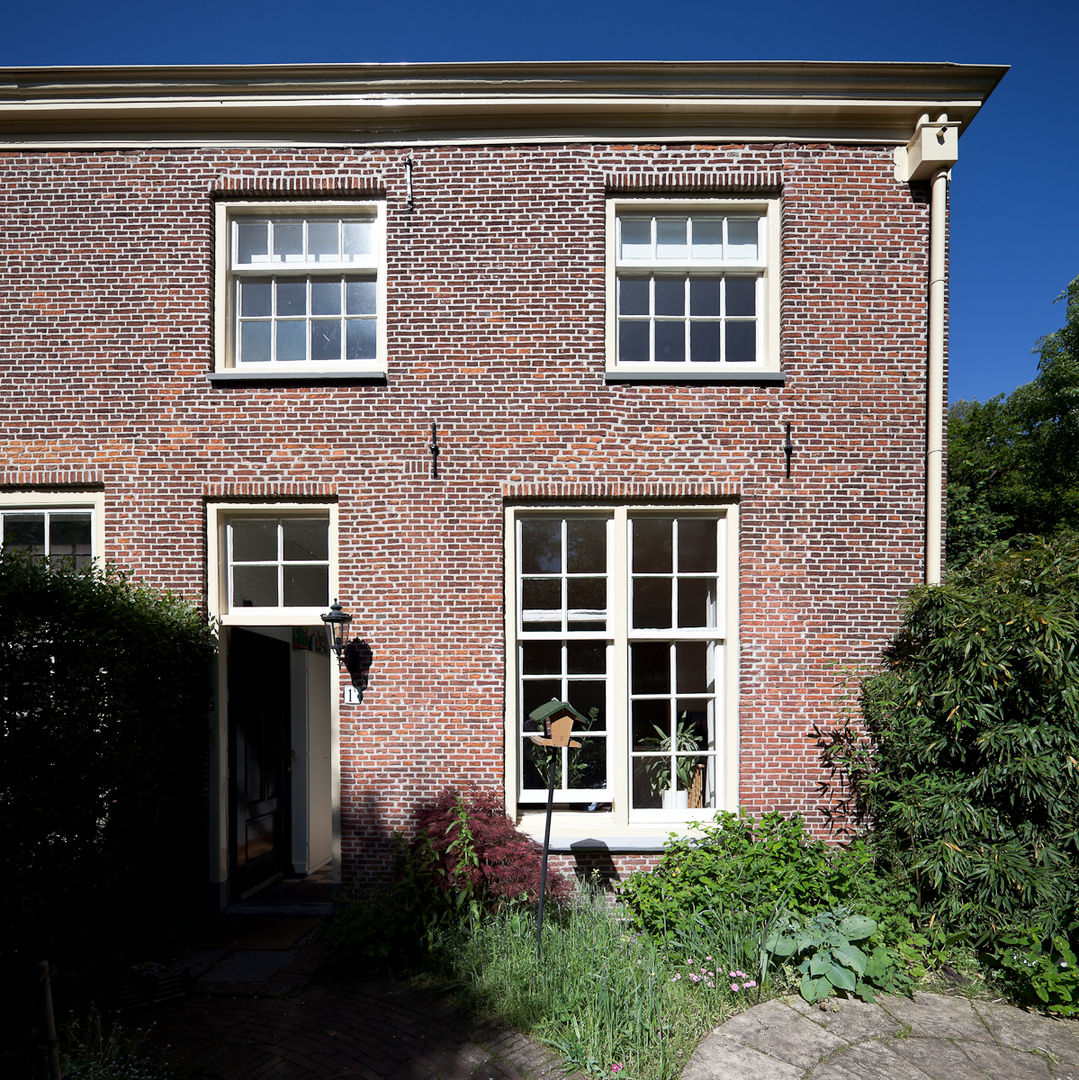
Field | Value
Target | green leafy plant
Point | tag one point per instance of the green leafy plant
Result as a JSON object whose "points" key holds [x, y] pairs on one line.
{"points": [[826, 957], [1037, 971], [686, 740]]}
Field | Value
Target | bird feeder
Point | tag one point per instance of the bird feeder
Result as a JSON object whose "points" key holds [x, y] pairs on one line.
{"points": [[557, 718]]}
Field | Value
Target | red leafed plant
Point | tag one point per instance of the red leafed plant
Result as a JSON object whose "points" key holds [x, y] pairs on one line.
{"points": [[478, 855]]}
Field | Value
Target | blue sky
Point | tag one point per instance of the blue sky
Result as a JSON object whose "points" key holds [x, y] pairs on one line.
{"points": [[1015, 204]]}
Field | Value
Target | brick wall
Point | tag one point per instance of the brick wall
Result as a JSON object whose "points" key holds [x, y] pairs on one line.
{"points": [[495, 333]]}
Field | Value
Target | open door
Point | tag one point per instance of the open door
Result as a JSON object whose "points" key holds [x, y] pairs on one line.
{"points": [[259, 760]]}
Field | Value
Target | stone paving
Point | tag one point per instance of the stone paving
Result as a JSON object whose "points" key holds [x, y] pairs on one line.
{"points": [[931, 1037], [261, 1010]]}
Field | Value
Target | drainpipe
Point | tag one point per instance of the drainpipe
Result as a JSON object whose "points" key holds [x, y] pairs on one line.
{"points": [[930, 154]]}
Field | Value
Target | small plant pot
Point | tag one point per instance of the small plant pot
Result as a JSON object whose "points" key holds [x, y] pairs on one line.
{"points": [[675, 800]]}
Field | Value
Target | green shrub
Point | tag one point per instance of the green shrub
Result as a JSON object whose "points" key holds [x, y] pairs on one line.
{"points": [[973, 785], [764, 868], [1038, 972]]}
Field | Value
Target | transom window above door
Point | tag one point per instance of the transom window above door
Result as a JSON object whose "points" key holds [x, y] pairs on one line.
{"points": [[277, 562]]}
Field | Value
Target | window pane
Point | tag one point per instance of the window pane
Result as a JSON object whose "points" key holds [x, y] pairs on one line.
{"points": [[305, 539], [695, 720], [291, 341], [708, 238], [255, 297], [647, 717], [741, 342], [691, 667], [633, 296], [704, 296], [704, 343], [589, 698], [541, 599], [633, 342], [254, 540], [670, 342], [288, 241], [588, 766], [361, 339], [651, 603], [742, 239], [537, 692], [360, 297], [325, 297], [741, 296], [541, 658], [69, 535], [586, 545], [252, 242], [635, 238], [322, 241], [306, 586], [359, 240], [254, 586], [541, 545], [650, 667], [652, 546], [696, 545], [291, 297], [254, 342], [586, 658], [696, 602], [586, 599], [670, 296], [671, 238], [326, 339], [25, 532]]}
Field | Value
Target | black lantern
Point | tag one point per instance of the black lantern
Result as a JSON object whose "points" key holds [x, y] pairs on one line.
{"points": [[337, 623]]}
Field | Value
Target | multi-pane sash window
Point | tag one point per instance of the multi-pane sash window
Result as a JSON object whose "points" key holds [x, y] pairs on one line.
{"points": [[277, 562], [622, 614], [303, 289], [47, 533], [693, 287]]}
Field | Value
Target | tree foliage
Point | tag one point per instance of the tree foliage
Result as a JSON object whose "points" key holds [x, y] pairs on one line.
{"points": [[974, 727], [1013, 462], [104, 716]]}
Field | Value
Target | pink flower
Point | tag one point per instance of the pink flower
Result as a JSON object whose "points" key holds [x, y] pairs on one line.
{"points": [[748, 985], [734, 987], [616, 1067]]}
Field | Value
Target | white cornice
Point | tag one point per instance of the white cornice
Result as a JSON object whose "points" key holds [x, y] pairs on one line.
{"points": [[390, 104]]}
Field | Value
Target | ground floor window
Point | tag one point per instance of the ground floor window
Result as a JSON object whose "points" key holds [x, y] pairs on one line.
{"points": [[49, 526], [627, 613]]}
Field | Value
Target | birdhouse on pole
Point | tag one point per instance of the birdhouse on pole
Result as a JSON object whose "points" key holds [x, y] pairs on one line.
{"points": [[557, 718]]}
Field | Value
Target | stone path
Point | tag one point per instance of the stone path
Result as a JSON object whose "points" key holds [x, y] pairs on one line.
{"points": [[932, 1037]]}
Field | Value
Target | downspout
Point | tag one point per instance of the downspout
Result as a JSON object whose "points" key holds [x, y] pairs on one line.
{"points": [[931, 152], [934, 458]]}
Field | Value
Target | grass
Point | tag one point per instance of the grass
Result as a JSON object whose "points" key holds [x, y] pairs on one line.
{"points": [[612, 1002]]}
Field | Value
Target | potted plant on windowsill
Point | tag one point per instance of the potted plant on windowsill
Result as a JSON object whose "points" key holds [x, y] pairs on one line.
{"points": [[686, 740]]}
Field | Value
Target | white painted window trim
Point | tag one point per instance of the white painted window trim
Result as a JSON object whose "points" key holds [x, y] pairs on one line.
{"points": [[621, 828], [83, 501], [768, 322], [218, 514], [226, 212]]}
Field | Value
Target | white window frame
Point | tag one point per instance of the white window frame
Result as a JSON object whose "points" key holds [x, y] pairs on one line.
{"points": [[621, 825], [227, 274], [766, 267], [60, 502], [219, 515]]}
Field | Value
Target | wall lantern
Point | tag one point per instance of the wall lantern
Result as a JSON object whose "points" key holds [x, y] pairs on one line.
{"points": [[337, 623]]}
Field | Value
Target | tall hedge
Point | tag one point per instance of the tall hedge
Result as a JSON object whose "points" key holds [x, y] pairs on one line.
{"points": [[104, 718], [974, 720]]}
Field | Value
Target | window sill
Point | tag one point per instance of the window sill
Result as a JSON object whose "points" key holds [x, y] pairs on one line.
{"points": [[752, 378], [304, 375]]}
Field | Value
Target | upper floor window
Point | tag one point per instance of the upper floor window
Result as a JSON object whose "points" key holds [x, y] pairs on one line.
{"points": [[693, 287], [301, 288], [46, 527]]}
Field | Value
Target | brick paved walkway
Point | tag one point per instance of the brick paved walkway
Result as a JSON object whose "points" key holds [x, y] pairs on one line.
{"points": [[260, 1011]]}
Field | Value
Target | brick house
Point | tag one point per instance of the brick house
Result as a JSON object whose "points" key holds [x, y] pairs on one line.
{"points": [[618, 383]]}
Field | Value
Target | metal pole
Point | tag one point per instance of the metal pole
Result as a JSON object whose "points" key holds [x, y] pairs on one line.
{"points": [[50, 1022], [546, 847]]}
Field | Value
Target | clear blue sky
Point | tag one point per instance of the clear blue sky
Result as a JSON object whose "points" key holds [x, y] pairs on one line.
{"points": [[1015, 224]]}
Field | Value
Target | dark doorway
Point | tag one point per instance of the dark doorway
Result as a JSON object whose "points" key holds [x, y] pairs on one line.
{"points": [[259, 766]]}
